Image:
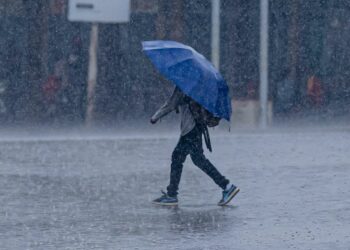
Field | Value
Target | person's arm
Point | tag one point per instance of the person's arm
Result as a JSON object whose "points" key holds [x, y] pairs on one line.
{"points": [[170, 105]]}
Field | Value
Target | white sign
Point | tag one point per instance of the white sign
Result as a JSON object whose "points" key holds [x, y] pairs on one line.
{"points": [[100, 11]]}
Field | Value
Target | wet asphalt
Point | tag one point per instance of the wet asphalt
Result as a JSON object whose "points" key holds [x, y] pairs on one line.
{"points": [[95, 193]]}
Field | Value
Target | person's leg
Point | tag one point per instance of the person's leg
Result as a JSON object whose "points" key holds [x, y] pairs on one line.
{"points": [[198, 158], [177, 159]]}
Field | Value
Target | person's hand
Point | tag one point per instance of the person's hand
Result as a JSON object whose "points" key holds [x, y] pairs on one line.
{"points": [[153, 121]]}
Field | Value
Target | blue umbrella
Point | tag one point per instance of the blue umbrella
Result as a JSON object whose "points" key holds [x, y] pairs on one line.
{"points": [[192, 73]]}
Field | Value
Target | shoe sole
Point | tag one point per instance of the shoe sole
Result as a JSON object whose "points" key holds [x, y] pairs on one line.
{"points": [[230, 197], [165, 204]]}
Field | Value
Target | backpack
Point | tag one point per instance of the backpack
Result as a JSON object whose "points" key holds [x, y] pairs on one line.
{"points": [[201, 115]]}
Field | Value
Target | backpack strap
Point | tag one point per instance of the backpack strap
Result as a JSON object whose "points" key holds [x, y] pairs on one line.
{"points": [[205, 132]]}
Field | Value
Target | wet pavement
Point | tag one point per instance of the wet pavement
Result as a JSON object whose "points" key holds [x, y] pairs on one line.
{"points": [[95, 193]]}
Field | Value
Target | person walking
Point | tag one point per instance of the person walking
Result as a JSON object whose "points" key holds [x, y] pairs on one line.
{"points": [[190, 143]]}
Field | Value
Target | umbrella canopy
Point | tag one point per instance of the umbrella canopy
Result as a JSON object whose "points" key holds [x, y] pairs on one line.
{"points": [[192, 73]]}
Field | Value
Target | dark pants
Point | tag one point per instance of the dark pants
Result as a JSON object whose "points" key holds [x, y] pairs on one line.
{"points": [[191, 144]]}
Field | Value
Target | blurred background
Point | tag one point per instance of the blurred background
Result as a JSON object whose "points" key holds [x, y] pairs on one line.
{"points": [[44, 59]]}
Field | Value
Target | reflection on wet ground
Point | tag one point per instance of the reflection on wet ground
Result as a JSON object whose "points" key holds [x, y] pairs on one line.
{"points": [[192, 221]]}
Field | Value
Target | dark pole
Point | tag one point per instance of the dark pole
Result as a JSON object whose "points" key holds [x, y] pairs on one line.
{"points": [[36, 15]]}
